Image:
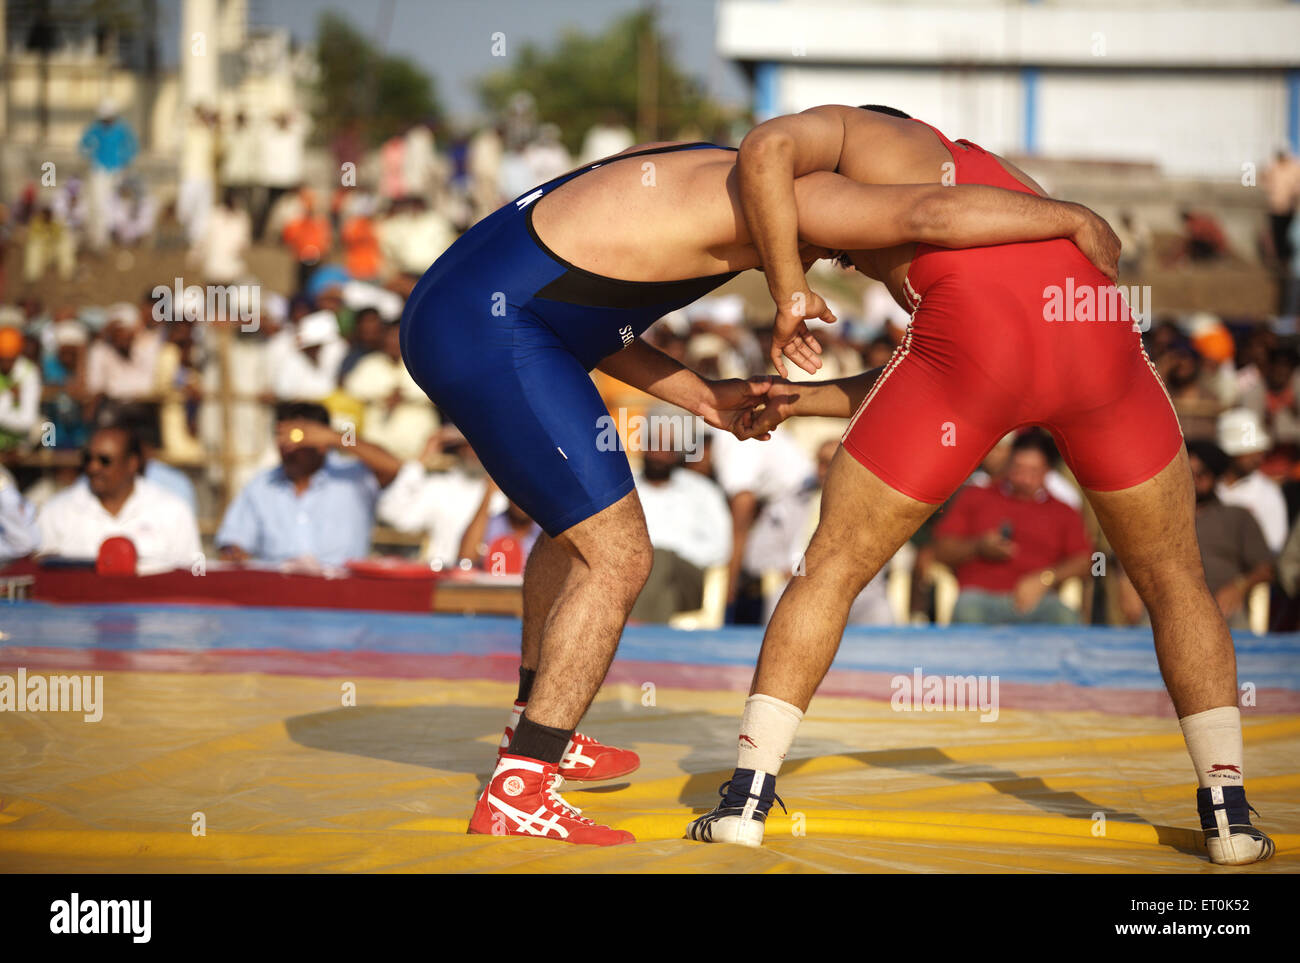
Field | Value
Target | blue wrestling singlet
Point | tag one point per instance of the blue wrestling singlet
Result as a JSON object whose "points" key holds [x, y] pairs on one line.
{"points": [[501, 333]]}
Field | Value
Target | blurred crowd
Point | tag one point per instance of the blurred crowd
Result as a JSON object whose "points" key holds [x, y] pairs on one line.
{"points": [[281, 429]]}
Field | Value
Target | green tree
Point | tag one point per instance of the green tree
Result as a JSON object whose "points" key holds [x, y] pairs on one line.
{"points": [[627, 71], [363, 88]]}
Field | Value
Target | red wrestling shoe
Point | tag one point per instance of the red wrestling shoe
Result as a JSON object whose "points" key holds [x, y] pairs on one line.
{"points": [[585, 759], [521, 800]]}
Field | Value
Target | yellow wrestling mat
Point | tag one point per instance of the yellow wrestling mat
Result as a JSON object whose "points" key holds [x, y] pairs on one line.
{"points": [[282, 777]]}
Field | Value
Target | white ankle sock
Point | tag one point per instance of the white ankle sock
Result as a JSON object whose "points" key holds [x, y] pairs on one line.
{"points": [[1214, 742], [766, 731]]}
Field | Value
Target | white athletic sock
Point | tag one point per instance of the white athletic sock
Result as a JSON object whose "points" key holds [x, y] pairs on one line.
{"points": [[766, 731], [1214, 742]]}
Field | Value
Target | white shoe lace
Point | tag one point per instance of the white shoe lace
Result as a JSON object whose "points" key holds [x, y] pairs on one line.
{"points": [[561, 803]]}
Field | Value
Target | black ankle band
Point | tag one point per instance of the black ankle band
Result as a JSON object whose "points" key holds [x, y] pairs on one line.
{"points": [[526, 677], [539, 742]]}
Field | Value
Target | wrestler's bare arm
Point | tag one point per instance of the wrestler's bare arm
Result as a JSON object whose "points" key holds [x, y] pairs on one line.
{"points": [[771, 157], [727, 404], [839, 398], [843, 215]]}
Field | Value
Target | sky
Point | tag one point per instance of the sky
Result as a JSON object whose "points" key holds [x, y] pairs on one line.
{"points": [[452, 39]]}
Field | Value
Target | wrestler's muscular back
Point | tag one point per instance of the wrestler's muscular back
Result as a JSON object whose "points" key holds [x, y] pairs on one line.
{"points": [[658, 217], [880, 149]]}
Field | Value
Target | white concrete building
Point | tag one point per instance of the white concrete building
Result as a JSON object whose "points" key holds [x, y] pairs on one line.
{"points": [[1198, 88]]}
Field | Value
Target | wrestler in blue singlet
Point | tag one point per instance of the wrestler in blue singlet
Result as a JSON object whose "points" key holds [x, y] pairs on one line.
{"points": [[501, 334]]}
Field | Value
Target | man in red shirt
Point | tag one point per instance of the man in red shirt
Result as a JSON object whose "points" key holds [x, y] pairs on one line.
{"points": [[1011, 544]]}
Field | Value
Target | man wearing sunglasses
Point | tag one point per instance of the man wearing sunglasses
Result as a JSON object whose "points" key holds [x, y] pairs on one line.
{"points": [[113, 499]]}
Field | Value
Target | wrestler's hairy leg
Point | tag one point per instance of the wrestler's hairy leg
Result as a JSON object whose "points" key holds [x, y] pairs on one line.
{"points": [[609, 561], [863, 523], [1152, 527]]}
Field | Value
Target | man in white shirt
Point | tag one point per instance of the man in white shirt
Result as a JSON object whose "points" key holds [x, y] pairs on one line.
{"points": [[689, 523], [399, 415], [312, 372], [440, 504], [122, 364], [1242, 436], [115, 500], [762, 481]]}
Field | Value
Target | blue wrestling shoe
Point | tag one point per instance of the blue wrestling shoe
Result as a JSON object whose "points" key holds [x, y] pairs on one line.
{"points": [[739, 818], [1229, 836]]}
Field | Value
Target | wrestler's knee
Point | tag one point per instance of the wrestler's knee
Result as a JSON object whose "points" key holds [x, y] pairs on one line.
{"points": [[846, 559], [1163, 583]]}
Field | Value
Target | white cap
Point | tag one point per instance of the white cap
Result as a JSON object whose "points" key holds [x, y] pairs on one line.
{"points": [[1242, 433], [69, 332], [107, 108], [318, 328], [359, 294], [124, 312]]}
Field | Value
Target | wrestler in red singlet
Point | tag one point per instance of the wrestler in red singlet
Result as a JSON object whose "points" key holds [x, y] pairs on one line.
{"points": [[981, 358]]}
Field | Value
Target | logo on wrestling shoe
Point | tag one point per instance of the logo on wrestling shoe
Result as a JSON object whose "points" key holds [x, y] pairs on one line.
{"points": [[1220, 768], [513, 786], [744, 738]]}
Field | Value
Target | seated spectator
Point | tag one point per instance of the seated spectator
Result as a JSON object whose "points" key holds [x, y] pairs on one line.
{"points": [[316, 507], [1281, 402], [1196, 405], [1011, 544], [133, 213], [398, 414], [367, 336], [143, 422], [499, 542], [440, 503], [310, 373], [64, 371], [1243, 438], [115, 500], [19, 535], [49, 240], [121, 365], [872, 606], [20, 390], [764, 483], [689, 523], [179, 387], [1233, 551], [1203, 237]]}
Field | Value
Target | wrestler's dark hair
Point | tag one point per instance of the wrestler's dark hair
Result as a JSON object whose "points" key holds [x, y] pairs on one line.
{"points": [[881, 109]]}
